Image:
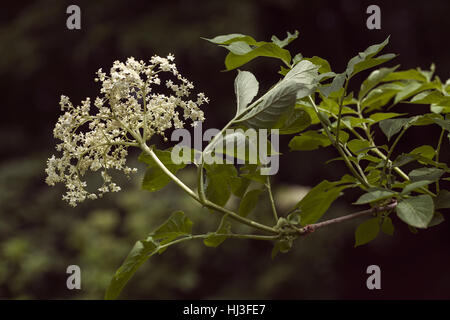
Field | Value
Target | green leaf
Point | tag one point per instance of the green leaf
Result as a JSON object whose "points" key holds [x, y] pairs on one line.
{"points": [[270, 110], [387, 227], [438, 218], [282, 43], [415, 185], [214, 239], [302, 105], [318, 200], [391, 127], [298, 121], [309, 140], [416, 211], [367, 231], [175, 226], [218, 182], [373, 62], [141, 251], [336, 85], [374, 79], [248, 202], [282, 246], [355, 122], [431, 97], [410, 74], [366, 54], [431, 174], [240, 55], [408, 91], [358, 146], [154, 178], [377, 117], [239, 144], [425, 151], [233, 37], [442, 201], [322, 63], [246, 88], [380, 96], [444, 124], [280, 100], [374, 195]]}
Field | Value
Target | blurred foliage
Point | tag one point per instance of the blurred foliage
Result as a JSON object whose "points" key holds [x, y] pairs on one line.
{"points": [[40, 235]]}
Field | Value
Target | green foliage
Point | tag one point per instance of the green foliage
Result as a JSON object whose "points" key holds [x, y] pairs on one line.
{"points": [[176, 226], [311, 97], [155, 179], [416, 211], [318, 200], [367, 231]]}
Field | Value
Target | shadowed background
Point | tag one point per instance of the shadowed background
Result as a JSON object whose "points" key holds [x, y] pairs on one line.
{"points": [[40, 235]]}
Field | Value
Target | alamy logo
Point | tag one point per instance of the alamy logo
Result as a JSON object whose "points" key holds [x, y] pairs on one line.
{"points": [[233, 146]]}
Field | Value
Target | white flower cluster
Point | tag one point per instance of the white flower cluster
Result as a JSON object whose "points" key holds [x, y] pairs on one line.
{"points": [[127, 114]]}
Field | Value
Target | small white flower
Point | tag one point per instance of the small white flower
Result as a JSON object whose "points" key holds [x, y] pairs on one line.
{"points": [[128, 113]]}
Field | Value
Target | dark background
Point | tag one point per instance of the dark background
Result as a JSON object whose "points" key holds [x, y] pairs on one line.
{"points": [[40, 235]]}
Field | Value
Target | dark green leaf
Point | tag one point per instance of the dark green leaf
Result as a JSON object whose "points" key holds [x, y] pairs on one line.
{"points": [[377, 117], [374, 195], [391, 127], [309, 140], [154, 178], [175, 226], [431, 174], [367, 231], [298, 121], [442, 201], [358, 146], [141, 251], [415, 185], [438, 218], [318, 200], [416, 211], [248, 202], [387, 227], [218, 182], [216, 238]]}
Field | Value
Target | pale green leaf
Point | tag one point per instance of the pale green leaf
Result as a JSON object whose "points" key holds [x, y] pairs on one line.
{"points": [[246, 88]]}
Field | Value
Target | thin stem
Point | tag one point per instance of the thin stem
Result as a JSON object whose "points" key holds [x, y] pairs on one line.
{"points": [[341, 101], [310, 228], [362, 179], [378, 152], [228, 235], [438, 150], [206, 203], [391, 149], [272, 201]]}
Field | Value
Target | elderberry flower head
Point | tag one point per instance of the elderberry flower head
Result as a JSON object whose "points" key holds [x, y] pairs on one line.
{"points": [[128, 112]]}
